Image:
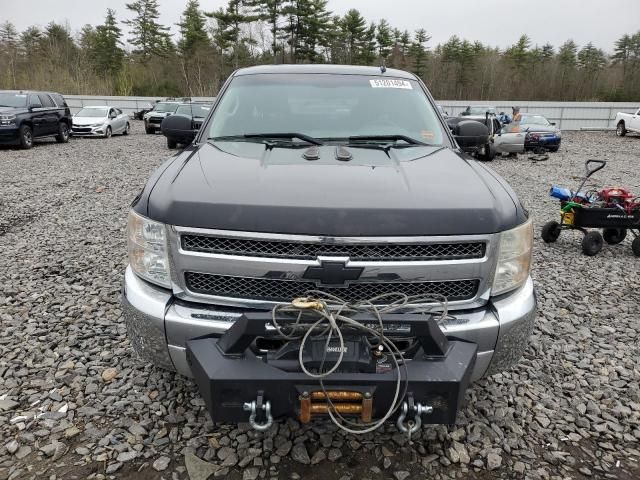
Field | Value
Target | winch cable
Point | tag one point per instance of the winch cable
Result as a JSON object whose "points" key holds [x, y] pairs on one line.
{"points": [[337, 313]]}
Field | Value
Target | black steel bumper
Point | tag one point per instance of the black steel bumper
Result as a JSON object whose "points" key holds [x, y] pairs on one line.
{"points": [[229, 374]]}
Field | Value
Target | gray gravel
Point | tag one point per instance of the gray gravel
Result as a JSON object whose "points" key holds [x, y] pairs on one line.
{"points": [[75, 402]]}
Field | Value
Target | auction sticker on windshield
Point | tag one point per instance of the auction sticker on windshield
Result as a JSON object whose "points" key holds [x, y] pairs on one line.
{"points": [[390, 83]]}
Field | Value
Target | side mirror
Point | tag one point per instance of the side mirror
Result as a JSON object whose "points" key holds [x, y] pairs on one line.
{"points": [[34, 106], [470, 134], [178, 127], [553, 123]]}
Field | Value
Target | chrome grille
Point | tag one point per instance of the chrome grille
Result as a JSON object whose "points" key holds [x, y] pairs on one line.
{"points": [[310, 251], [276, 290]]}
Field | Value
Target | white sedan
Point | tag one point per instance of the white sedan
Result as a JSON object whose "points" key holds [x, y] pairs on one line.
{"points": [[100, 122]]}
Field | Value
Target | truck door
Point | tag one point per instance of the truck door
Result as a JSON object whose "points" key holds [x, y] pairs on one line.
{"points": [[51, 114], [37, 116]]}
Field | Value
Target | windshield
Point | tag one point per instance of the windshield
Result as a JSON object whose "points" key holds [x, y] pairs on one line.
{"points": [[481, 110], [13, 100], [93, 112], [198, 111], [534, 120], [325, 107], [165, 107]]}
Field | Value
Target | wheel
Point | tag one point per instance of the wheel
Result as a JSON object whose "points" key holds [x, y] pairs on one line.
{"points": [[63, 133], [488, 154], [551, 231], [621, 130], [149, 131], [127, 129], [26, 137], [614, 236], [171, 144], [635, 246], [592, 243], [554, 149], [107, 133]]}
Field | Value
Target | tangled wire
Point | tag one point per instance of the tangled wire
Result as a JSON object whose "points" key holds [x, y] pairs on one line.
{"points": [[330, 315]]}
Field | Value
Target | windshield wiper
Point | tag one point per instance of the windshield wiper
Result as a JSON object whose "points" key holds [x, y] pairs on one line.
{"points": [[385, 138], [271, 136]]}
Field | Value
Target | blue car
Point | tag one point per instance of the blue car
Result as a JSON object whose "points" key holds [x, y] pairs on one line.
{"points": [[540, 133]]}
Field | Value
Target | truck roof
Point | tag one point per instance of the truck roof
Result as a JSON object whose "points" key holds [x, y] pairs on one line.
{"points": [[325, 69]]}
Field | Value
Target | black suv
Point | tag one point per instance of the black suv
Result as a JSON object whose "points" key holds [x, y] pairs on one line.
{"points": [[25, 116]]}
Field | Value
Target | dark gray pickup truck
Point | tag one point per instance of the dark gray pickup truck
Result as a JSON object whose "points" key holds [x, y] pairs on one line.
{"points": [[329, 194]]}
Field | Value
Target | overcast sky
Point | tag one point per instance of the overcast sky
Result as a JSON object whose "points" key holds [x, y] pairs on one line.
{"points": [[494, 22]]}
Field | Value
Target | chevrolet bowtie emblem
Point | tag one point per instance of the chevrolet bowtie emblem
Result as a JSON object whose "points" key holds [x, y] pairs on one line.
{"points": [[332, 273]]}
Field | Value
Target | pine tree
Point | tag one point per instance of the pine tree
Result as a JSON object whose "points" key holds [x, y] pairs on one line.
{"points": [[106, 50], [419, 52], [148, 36], [591, 59], [270, 11], [369, 47], [230, 22], [384, 37], [193, 32], [353, 26]]}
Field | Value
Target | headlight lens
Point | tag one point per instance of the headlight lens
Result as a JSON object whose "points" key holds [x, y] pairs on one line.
{"points": [[514, 258], [7, 119], [147, 245]]}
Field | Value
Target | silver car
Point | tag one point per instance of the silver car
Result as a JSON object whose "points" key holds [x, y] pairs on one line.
{"points": [[100, 121]]}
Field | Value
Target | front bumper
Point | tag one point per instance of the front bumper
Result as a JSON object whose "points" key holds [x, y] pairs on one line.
{"points": [[544, 142], [9, 134], [86, 131], [160, 326]]}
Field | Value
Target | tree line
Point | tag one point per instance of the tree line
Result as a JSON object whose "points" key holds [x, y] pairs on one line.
{"points": [[211, 44]]}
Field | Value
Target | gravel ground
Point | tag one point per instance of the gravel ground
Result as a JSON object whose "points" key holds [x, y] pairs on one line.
{"points": [[76, 404]]}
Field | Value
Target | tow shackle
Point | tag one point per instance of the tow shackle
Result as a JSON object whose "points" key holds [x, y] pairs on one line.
{"points": [[412, 425]]}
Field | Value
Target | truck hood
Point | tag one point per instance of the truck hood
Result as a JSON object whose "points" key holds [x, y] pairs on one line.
{"points": [[13, 110], [89, 120], [248, 187]]}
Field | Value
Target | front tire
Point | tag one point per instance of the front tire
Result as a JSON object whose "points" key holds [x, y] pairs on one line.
{"points": [[635, 246], [26, 137], [63, 133], [554, 149], [127, 129], [621, 129], [107, 133], [551, 232], [488, 154], [149, 131], [614, 236], [171, 144], [592, 243]]}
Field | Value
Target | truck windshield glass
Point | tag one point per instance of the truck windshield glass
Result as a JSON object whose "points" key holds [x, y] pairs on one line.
{"points": [[13, 100], [198, 111], [325, 107], [165, 107], [92, 112]]}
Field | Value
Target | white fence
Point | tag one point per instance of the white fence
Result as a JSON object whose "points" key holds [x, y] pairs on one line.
{"points": [[567, 115]]}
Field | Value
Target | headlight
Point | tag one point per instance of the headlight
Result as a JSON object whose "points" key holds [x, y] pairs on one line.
{"points": [[514, 258], [147, 245], [7, 119]]}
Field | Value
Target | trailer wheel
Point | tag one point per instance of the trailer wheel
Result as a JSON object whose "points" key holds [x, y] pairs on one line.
{"points": [[592, 243], [551, 232], [635, 246], [614, 236]]}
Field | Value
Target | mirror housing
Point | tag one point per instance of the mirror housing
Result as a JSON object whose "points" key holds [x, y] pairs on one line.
{"points": [[178, 128], [34, 106], [553, 123], [469, 134]]}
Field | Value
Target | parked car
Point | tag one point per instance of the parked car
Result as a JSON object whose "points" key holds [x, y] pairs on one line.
{"points": [[502, 138], [26, 115], [145, 107], [160, 111], [540, 133], [196, 112], [478, 111], [627, 122], [441, 109], [100, 121], [342, 179]]}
